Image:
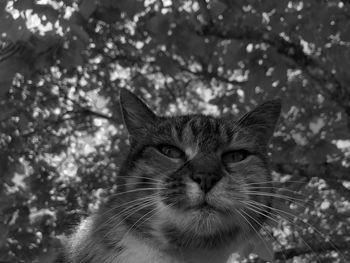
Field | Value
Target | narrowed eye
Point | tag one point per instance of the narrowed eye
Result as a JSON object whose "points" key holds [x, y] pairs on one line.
{"points": [[170, 151], [234, 156]]}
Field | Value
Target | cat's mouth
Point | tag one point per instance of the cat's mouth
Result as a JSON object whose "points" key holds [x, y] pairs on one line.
{"points": [[205, 205]]}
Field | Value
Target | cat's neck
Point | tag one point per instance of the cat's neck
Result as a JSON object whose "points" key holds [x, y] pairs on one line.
{"points": [[142, 251], [134, 246], [129, 247]]}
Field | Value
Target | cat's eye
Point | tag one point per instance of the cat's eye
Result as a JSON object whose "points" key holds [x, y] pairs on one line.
{"points": [[171, 151], [234, 156]]}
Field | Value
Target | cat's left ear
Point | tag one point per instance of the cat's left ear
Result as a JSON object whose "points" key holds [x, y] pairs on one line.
{"points": [[262, 120], [137, 117]]}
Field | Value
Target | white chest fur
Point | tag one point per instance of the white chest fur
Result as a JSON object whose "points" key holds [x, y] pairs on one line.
{"points": [[137, 251]]}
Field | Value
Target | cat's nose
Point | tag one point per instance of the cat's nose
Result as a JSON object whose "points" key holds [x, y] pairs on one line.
{"points": [[206, 181]]}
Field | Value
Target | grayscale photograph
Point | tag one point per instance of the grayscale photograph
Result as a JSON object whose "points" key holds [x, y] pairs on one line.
{"points": [[174, 131]]}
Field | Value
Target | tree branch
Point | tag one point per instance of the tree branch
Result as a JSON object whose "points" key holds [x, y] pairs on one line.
{"points": [[310, 249], [86, 111], [294, 51], [206, 13], [71, 116], [318, 248], [332, 174], [211, 75]]}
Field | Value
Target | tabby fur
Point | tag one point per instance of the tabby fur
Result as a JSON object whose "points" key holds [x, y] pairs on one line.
{"points": [[180, 190]]}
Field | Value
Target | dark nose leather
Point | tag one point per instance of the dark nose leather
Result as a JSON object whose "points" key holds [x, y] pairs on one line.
{"points": [[206, 171], [206, 181]]}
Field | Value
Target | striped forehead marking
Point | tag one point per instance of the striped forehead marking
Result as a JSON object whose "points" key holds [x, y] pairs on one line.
{"points": [[201, 133], [187, 134]]}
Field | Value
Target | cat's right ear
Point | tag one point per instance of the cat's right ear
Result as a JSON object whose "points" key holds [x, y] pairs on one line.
{"points": [[262, 120], [137, 117]]}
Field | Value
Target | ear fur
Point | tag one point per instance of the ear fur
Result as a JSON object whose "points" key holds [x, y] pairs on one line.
{"points": [[262, 120], [137, 117]]}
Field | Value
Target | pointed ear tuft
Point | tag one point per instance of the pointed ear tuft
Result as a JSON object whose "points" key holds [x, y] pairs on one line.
{"points": [[262, 120], [137, 117]]}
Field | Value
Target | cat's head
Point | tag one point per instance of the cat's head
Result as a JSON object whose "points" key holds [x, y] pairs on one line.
{"points": [[192, 180]]}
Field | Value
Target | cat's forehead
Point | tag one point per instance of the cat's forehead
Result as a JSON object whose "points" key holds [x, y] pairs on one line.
{"points": [[196, 131], [201, 127]]}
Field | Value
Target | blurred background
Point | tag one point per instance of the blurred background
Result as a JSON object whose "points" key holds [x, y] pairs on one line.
{"points": [[62, 64]]}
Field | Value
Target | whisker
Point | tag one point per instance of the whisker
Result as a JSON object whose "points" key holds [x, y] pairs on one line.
{"points": [[283, 197], [137, 190], [129, 202], [135, 201], [265, 230], [153, 212], [284, 213], [257, 232], [274, 182], [134, 225], [146, 200], [277, 189], [142, 177], [138, 183], [138, 203], [126, 215], [255, 209]]}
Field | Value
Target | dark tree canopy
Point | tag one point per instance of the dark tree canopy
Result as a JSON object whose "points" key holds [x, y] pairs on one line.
{"points": [[62, 64]]}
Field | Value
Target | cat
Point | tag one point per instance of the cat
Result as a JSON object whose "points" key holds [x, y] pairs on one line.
{"points": [[183, 189]]}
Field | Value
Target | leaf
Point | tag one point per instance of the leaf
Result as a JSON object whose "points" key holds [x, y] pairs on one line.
{"points": [[345, 32], [252, 19], [159, 24], [51, 14], [130, 7], [23, 5], [167, 65], [72, 57], [342, 133], [187, 42], [263, 248], [231, 53], [5, 21], [5, 86], [247, 250], [321, 150], [217, 7], [9, 68], [87, 7], [20, 168], [80, 33], [14, 29], [3, 233]]}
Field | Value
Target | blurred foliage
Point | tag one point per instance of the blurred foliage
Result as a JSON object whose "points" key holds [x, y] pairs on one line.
{"points": [[62, 64]]}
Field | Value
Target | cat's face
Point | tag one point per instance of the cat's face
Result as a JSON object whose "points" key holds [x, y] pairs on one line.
{"points": [[195, 174]]}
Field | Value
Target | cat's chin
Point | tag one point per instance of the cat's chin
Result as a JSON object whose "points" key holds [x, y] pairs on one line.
{"points": [[202, 216], [204, 207], [210, 204], [210, 228]]}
